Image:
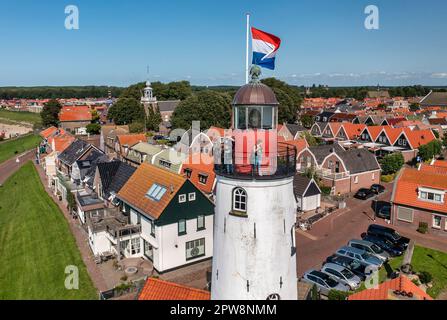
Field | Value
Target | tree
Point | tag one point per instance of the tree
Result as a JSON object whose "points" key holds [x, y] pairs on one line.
{"points": [[430, 150], [153, 119], [392, 163], [311, 140], [93, 128], [307, 121], [209, 107], [136, 127], [414, 107], [126, 111], [50, 113], [95, 116]]}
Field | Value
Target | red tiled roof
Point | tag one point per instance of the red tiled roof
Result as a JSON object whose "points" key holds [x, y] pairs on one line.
{"points": [[440, 163], [433, 169], [156, 289], [353, 131], [135, 189], [300, 144], [61, 142], [411, 180], [131, 139], [418, 138], [385, 291], [204, 167], [48, 132], [71, 113]]}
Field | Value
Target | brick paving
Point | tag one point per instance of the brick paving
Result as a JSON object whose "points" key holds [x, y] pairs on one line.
{"points": [[329, 234], [80, 235]]}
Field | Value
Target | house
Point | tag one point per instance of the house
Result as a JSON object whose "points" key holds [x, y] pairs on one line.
{"points": [[379, 94], [400, 288], [343, 117], [324, 116], [75, 119], [124, 142], [344, 171], [290, 131], [331, 130], [199, 169], [109, 178], [419, 195], [167, 108], [143, 152], [78, 150], [108, 137], [176, 218], [318, 128], [80, 168], [434, 99], [307, 193], [350, 131], [156, 289], [170, 160], [194, 141]]}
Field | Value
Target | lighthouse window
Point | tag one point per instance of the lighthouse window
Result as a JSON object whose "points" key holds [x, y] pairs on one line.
{"points": [[239, 200]]}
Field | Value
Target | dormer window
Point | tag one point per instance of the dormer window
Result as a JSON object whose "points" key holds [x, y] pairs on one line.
{"points": [[429, 195], [188, 173], [203, 178]]}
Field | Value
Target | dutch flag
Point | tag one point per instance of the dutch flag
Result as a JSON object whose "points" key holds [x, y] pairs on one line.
{"points": [[264, 46]]}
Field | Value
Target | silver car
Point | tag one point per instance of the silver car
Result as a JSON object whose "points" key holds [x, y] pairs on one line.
{"points": [[342, 274], [360, 255], [371, 248], [324, 282]]}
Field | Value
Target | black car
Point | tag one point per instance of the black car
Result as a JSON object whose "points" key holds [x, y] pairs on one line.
{"points": [[377, 188], [384, 212], [389, 234], [356, 267], [388, 246], [364, 194]]}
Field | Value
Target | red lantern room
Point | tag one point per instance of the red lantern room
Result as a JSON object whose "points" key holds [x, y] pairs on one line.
{"points": [[256, 151]]}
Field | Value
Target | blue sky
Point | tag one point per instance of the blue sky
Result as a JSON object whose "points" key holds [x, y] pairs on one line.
{"points": [[204, 41]]}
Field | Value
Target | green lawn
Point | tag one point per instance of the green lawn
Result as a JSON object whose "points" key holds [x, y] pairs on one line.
{"points": [[424, 259], [14, 116], [12, 148], [36, 244]]}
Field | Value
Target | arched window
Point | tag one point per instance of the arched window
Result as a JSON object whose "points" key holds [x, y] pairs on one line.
{"points": [[239, 200]]}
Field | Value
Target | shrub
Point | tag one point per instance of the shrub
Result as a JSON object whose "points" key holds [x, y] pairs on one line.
{"points": [[136, 127], [325, 190], [387, 178], [93, 128], [392, 163], [123, 278], [416, 282], [337, 295], [425, 277], [315, 295], [423, 227]]}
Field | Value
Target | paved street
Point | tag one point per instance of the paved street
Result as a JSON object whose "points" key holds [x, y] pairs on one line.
{"points": [[10, 166], [328, 235]]}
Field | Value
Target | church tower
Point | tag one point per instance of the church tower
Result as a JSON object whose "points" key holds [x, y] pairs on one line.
{"points": [[254, 254], [148, 100]]}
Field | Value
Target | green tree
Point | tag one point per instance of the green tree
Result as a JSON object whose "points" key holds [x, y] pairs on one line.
{"points": [[209, 107], [153, 119], [93, 128], [50, 113], [311, 140], [430, 150], [136, 127], [307, 121], [95, 116], [392, 163], [126, 111], [414, 107]]}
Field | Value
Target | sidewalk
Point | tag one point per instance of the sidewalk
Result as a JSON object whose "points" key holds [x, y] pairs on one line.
{"points": [[80, 236]]}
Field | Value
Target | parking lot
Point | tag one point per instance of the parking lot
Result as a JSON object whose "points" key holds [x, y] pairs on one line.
{"points": [[334, 231]]}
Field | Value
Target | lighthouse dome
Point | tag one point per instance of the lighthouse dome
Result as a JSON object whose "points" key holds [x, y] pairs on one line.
{"points": [[255, 93]]}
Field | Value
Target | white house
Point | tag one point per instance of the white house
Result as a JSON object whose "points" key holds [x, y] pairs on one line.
{"points": [[307, 193], [175, 217]]}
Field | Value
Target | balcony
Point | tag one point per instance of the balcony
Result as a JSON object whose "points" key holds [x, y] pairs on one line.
{"points": [[328, 174], [278, 165]]}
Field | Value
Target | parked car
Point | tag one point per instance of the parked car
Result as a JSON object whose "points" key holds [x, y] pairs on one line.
{"points": [[384, 212], [389, 234], [342, 275], [323, 282], [377, 188], [364, 194], [371, 248], [359, 255], [391, 248], [359, 269]]}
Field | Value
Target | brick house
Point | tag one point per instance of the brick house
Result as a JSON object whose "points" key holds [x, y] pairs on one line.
{"points": [[75, 119], [344, 171], [419, 195]]}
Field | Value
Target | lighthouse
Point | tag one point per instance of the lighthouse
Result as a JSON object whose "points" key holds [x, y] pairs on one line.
{"points": [[254, 254]]}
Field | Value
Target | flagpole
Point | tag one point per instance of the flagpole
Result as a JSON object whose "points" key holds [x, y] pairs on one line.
{"points": [[247, 54]]}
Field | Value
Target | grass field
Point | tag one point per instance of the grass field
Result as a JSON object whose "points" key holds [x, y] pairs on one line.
{"points": [[424, 259], [13, 116], [12, 148], [36, 244]]}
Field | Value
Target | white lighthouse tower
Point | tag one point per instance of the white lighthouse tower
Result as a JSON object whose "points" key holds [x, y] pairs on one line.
{"points": [[254, 254]]}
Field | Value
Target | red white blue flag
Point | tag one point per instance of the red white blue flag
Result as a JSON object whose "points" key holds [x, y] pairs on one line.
{"points": [[264, 46]]}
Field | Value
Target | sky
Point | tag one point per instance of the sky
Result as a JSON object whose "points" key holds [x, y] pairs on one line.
{"points": [[323, 42]]}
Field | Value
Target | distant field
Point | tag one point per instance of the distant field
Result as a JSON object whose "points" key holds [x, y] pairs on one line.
{"points": [[13, 116], [11, 148], [36, 244]]}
